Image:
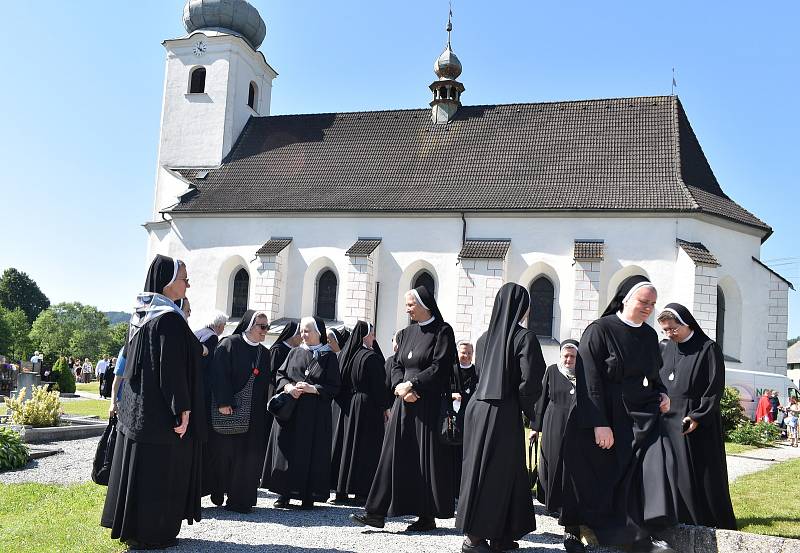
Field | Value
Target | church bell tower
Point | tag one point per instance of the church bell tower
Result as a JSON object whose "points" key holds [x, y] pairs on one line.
{"points": [[446, 90]]}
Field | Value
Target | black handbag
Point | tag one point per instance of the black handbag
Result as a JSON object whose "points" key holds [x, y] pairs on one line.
{"points": [[237, 422], [281, 406], [450, 431], [104, 455], [533, 462]]}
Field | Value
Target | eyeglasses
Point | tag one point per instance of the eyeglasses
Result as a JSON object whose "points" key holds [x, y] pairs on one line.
{"points": [[262, 326], [184, 279], [671, 329]]}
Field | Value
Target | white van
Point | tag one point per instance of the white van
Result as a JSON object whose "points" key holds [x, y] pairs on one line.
{"points": [[751, 386]]}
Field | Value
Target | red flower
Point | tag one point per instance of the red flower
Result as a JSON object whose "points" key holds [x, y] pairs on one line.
{"points": [[255, 372]]}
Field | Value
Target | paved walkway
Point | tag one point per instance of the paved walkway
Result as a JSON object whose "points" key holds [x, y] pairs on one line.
{"points": [[755, 460]]}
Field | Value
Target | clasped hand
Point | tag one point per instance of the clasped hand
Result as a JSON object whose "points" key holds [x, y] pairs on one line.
{"points": [[299, 389]]}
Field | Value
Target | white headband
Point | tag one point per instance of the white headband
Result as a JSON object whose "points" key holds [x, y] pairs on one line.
{"points": [[256, 315], [676, 315], [569, 346], [643, 284], [419, 300], [176, 264], [311, 320]]}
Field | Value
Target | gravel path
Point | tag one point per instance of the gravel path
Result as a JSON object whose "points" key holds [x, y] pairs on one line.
{"points": [[71, 467], [759, 459]]}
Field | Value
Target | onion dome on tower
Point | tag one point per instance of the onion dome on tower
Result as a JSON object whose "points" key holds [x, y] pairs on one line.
{"points": [[235, 17], [446, 90]]}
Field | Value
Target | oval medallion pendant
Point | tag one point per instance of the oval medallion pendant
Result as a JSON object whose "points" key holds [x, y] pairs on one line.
{"points": [[645, 382], [572, 392], [410, 354], [672, 376]]}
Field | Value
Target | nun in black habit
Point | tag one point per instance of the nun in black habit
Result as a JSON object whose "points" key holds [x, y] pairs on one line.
{"points": [[495, 502], [462, 386], [298, 463], [694, 373], [552, 411], [619, 464], [414, 475], [239, 359], [155, 476], [359, 430]]}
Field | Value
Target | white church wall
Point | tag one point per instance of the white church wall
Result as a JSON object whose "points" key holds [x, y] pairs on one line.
{"points": [[538, 246]]}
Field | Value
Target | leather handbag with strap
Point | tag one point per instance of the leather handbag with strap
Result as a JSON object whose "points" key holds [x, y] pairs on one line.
{"points": [[237, 422], [533, 462], [450, 431]]}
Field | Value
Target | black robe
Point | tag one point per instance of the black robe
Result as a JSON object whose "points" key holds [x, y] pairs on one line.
{"points": [[277, 355], [359, 429], [210, 454], [298, 462], [626, 492], [463, 381], [389, 390], [552, 411], [240, 457], [694, 374], [414, 475], [495, 501], [155, 475]]}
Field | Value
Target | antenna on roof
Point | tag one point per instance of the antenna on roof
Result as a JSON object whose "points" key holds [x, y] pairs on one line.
{"points": [[674, 82]]}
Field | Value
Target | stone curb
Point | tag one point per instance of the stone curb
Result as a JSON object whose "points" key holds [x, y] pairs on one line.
{"points": [[699, 539]]}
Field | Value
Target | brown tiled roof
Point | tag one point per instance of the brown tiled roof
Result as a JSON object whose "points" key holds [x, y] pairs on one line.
{"points": [[363, 247], [484, 249], [625, 154], [588, 249], [274, 246], [698, 253]]}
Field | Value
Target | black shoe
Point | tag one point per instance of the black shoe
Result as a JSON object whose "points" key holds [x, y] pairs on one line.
{"points": [[358, 501], [422, 524], [376, 521], [281, 503], [307, 505], [651, 546], [480, 547], [572, 543], [217, 499], [504, 545]]}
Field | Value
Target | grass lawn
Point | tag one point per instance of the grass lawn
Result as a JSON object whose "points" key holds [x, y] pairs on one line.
{"points": [[85, 407], [757, 505], [732, 448], [39, 518], [92, 387]]}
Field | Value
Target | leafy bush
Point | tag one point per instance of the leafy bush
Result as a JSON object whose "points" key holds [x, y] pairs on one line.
{"points": [[64, 377], [43, 409], [759, 434], [13, 453], [731, 410]]}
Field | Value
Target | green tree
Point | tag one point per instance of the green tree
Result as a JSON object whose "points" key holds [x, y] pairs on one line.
{"points": [[117, 335], [18, 290], [5, 333], [71, 329], [21, 346]]}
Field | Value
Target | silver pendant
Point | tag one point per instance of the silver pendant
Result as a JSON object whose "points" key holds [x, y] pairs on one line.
{"points": [[572, 392], [672, 376], [410, 354], [307, 371], [645, 383]]}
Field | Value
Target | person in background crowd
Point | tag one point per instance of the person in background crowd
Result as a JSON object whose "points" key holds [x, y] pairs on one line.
{"points": [[335, 339], [792, 414], [101, 367], [552, 412], [694, 374], [298, 462], [462, 386], [775, 405], [77, 369], [108, 378], [87, 372], [764, 408]]}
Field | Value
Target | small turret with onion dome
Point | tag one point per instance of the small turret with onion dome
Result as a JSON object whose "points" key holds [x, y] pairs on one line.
{"points": [[446, 90]]}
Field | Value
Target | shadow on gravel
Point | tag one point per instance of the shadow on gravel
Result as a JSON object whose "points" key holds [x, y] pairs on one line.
{"points": [[320, 516], [191, 544]]}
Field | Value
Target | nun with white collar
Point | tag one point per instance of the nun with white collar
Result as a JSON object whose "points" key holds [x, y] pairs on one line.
{"points": [[154, 481], [414, 475], [552, 412], [298, 462], [616, 452], [238, 359], [694, 373], [359, 424]]}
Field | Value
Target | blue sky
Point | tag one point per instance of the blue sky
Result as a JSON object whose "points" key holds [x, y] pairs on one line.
{"points": [[80, 102]]}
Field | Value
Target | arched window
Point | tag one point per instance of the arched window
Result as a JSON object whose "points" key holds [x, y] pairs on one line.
{"points": [[241, 289], [424, 278], [326, 295], [540, 319], [252, 96], [721, 318], [197, 80]]}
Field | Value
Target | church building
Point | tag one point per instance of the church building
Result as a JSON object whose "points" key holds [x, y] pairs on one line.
{"points": [[338, 214]]}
